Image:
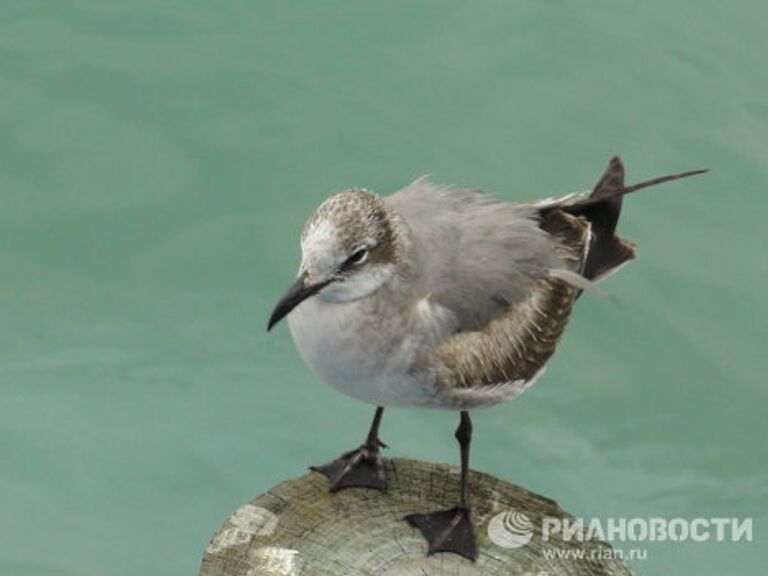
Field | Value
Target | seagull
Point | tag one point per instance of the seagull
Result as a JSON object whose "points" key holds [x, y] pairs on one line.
{"points": [[445, 298]]}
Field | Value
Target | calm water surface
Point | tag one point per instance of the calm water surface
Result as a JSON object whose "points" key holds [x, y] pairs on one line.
{"points": [[159, 159]]}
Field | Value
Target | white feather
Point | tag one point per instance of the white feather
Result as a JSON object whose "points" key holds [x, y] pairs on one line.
{"points": [[578, 281]]}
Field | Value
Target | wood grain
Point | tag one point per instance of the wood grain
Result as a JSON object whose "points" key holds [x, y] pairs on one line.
{"points": [[299, 529]]}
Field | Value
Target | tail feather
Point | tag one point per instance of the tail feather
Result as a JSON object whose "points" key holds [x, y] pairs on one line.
{"points": [[608, 190], [623, 191], [601, 209]]}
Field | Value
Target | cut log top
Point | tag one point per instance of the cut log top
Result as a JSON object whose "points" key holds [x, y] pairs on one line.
{"points": [[299, 529]]}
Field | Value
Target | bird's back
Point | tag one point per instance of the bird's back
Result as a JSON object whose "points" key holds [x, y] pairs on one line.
{"points": [[476, 256]]}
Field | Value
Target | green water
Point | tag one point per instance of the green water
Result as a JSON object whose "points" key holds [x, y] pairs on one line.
{"points": [[157, 161]]}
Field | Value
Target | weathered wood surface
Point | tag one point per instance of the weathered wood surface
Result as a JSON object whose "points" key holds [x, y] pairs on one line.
{"points": [[299, 529]]}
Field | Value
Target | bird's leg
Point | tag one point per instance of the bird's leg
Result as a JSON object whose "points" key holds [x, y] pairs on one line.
{"points": [[452, 530], [362, 467]]}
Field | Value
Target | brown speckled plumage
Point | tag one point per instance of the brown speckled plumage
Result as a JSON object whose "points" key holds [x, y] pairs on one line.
{"points": [[361, 218], [514, 346]]}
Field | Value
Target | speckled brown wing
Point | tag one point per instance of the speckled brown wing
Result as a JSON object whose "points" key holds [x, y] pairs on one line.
{"points": [[483, 364], [514, 346]]}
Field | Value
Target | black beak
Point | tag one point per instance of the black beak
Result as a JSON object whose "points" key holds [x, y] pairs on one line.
{"points": [[294, 296]]}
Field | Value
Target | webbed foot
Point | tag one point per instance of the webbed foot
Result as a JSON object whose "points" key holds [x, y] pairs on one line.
{"points": [[361, 468], [447, 531]]}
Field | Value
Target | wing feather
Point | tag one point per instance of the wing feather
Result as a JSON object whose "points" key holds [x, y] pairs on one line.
{"points": [[488, 263]]}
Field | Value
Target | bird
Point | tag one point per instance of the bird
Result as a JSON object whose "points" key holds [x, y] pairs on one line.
{"points": [[441, 297]]}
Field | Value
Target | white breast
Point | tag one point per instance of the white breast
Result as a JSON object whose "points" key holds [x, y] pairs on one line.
{"points": [[361, 352]]}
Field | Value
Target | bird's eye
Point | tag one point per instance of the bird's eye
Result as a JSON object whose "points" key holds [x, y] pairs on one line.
{"points": [[358, 257]]}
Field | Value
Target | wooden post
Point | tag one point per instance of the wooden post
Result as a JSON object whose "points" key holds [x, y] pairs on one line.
{"points": [[299, 529]]}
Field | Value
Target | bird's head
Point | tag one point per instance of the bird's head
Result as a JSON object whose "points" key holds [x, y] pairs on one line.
{"points": [[348, 252]]}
